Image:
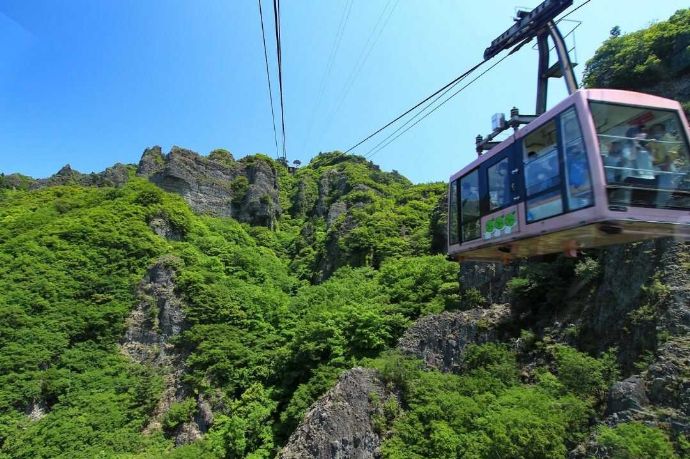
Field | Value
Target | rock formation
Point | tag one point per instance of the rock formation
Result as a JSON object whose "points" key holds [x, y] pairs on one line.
{"points": [[440, 340], [340, 425], [157, 318], [246, 190]]}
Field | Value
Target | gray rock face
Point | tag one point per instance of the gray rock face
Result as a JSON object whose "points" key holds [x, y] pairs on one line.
{"points": [[163, 228], [116, 176], [158, 318], [658, 396], [668, 378], [440, 340], [332, 185], [489, 279], [339, 425], [674, 273], [36, 411], [615, 316], [628, 394], [246, 190]]}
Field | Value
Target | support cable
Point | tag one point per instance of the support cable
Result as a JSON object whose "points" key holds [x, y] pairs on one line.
{"points": [[369, 45], [329, 67], [268, 77], [276, 14], [417, 105], [435, 96], [440, 105]]}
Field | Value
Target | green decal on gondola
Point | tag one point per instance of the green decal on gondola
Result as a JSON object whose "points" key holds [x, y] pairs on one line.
{"points": [[489, 226], [498, 223], [510, 219]]}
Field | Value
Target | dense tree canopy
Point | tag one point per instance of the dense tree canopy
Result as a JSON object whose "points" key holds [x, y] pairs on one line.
{"points": [[639, 60]]}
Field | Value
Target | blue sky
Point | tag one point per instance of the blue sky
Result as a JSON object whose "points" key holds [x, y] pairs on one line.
{"points": [[95, 82]]}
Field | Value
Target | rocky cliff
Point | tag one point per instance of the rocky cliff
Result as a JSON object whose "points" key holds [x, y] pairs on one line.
{"points": [[151, 328], [246, 190], [342, 424], [216, 185], [631, 298]]}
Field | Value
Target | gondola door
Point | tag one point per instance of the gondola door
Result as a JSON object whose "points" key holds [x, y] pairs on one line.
{"points": [[502, 191]]}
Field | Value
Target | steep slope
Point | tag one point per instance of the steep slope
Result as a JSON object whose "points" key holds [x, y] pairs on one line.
{"points": [[350, 213], [198, 306], [591, 359], [135, 326]]}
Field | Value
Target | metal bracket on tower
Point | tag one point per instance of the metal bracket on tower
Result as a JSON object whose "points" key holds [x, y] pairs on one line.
{"points": [[515, 120], [539, 23], [564, 67]]}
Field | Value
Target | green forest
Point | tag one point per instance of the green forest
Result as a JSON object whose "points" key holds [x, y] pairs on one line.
{"points": [[273, 316]]}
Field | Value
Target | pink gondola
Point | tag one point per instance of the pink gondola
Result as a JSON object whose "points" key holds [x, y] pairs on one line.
{"points": [[602, 167]]}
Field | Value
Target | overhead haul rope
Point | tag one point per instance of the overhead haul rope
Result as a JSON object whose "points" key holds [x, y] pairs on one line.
{"points": [[435, 96], [268, 77], [369, 45], [329, 67], [417, 105], [276, 14], [370, 153]]}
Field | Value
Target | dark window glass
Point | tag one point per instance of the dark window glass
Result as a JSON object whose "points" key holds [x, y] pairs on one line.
{"points": [[578, 181], [542, 173], [544, 205], [499, 185], [453, 212], [469, 208], [645, 155]]}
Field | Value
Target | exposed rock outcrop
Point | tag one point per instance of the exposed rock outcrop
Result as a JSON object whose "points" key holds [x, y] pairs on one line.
{"points": [[440, 340], [489, 279], [639, 291], [246, 190], [157, 318], [36, 410], [339, 425], [162, 227], [116, 175], [660, 394]]}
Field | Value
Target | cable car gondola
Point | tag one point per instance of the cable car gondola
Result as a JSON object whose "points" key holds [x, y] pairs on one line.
{"points": [[601, 167]]}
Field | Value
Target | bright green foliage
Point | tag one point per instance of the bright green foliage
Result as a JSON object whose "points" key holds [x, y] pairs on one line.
{"points": [[179, 413], [483, 412], [585, 375], [246, 431], [421, 286], [382, 215], [633, 440], [69, 258], [256, 337], [641, 59], [274, 316]]}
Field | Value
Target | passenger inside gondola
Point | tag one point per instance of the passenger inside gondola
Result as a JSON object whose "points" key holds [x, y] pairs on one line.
{"points": [[499, 185], [645, 164], [541, 170], [617, 168], [666, 162]]}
